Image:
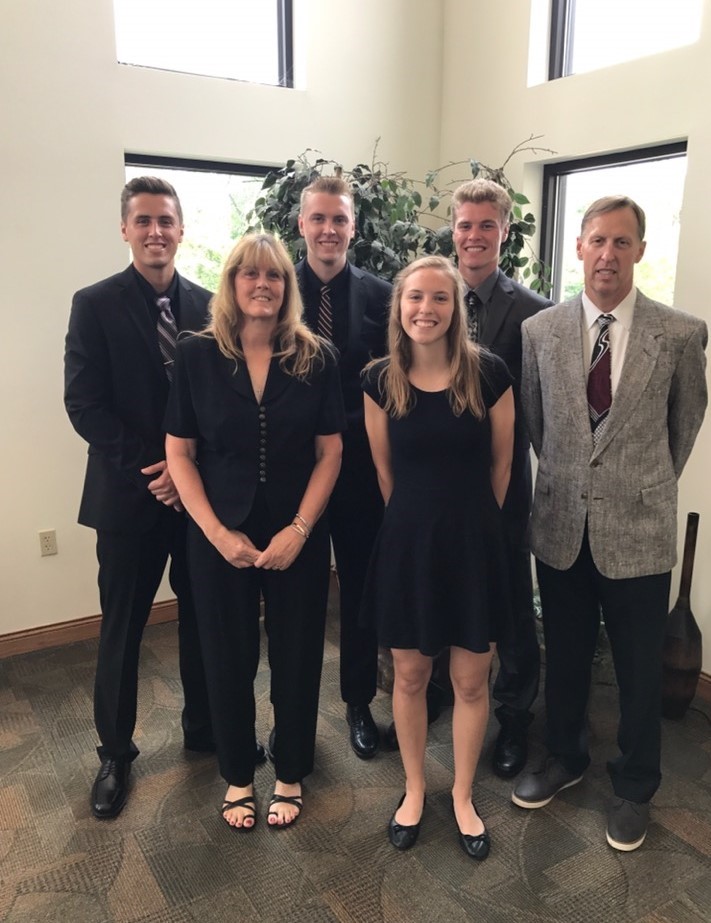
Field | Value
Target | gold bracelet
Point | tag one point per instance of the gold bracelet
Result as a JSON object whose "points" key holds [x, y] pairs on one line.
{"points": [[306, 524], [300, 529]]}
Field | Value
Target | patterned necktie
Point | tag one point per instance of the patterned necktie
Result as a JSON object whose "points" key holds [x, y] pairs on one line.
{"points": [[325, 315], [167, 335], [599, 384], [473, 305]]}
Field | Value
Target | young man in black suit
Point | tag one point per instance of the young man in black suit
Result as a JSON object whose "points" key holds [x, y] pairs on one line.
{"points": [[349, 307], [116, 387], [496, 307]]}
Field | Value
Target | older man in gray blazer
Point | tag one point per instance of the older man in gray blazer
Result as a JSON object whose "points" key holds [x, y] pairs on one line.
{"points": [[614, 393]]}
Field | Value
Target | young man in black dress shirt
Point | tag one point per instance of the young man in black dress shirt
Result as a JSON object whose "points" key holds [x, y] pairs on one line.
{"points": [[496, 307], [116, 388], [349, 307]]}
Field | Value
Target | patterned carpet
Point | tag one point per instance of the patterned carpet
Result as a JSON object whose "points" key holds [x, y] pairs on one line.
{"points": [[169, 858]]}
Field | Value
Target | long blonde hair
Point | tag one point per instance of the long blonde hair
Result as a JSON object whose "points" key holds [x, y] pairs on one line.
{"points": [[464, 389], [296, 347]]}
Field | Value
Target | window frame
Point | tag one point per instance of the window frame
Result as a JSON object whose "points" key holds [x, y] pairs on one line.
{"points": [[133, 159], [285, 51], [553, 199]]}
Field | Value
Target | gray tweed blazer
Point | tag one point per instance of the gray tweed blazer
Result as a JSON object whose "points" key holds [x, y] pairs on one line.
{"points": [[625, 488]]}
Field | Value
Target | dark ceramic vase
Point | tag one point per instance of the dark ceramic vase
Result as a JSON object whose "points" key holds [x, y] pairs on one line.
{"points": [[681, 656]]}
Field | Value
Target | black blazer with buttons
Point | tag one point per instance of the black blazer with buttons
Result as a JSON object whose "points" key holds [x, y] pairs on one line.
{"points": [[115, 394], [243, 444]]}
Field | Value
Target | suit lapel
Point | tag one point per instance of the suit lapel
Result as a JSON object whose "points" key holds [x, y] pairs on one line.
{"points": [[641, 356], [502, 299], [239, 380], [568, 360], [357, 303], [134, 304]]}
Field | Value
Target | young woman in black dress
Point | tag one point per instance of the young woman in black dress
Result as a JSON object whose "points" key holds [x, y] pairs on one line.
{"points": [[254, 448], [439, 413]]}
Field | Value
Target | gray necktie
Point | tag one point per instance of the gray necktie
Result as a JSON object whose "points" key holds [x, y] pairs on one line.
{"points": [[167, 335], [473, 302]]}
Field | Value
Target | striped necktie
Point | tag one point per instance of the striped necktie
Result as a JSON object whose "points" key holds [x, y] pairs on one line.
{"points": [[599, 383], [325, 314], [167, 335]]}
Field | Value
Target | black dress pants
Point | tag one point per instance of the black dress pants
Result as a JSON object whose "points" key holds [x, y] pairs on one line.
{"points": [[131, 566], [355, 512], [516, 685], [635, 613], [227, 603]]}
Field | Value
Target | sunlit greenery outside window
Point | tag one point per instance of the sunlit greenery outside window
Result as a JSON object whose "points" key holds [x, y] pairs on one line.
{"points": [[590, 34], [215, 198], [238, 39], [653, 177]]}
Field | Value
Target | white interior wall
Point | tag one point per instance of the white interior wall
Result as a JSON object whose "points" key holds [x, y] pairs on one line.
{"points": [[488, 107], [69, 114], [437, 80]]}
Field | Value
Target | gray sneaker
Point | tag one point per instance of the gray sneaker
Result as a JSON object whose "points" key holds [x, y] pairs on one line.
{"points": [[627, 824], [538, 788]]}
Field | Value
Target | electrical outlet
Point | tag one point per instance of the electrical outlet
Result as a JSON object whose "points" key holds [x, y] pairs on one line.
{"points": [[48, 542]]}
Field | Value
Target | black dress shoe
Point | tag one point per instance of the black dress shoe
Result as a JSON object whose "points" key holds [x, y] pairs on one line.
{"points": [[261, 755], [404, 836], [110, 789], [476, 847], [364, 735], [510, 751]]}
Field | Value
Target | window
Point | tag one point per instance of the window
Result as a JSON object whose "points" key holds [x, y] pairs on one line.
{"points": [[589, 34], [653, 177], [238, 39], [215, 198]]}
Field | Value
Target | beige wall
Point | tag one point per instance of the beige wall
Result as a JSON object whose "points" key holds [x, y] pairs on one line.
{"points": [[653, 100], [439, 80], [69, 114]]}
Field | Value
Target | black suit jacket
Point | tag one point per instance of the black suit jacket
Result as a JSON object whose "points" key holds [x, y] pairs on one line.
{"points": [[243, 444], [369, 309], [115, 393], [510, 305]]}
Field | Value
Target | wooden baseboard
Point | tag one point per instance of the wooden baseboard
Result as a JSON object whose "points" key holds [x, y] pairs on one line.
{"points": [[46, 636]]}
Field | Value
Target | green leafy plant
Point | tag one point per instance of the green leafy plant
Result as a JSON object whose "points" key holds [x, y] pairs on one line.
{"points": [[397, 218]]}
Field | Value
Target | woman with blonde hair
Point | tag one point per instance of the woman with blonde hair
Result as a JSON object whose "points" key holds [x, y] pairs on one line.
{"points": [[254, 447], [439, 412]]}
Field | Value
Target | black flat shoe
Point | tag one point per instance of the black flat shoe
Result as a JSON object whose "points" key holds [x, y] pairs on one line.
{"points": [[403, 836], [476, 847]]}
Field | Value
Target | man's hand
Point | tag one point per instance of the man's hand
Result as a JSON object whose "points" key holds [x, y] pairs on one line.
{"points": [[162, 487]]}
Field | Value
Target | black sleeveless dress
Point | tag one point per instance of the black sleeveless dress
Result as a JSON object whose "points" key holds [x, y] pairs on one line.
{"points": [[438, 575]]}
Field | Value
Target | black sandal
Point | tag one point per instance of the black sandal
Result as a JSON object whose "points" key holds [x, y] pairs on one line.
{"points": [[296, 800], [246, 802]]}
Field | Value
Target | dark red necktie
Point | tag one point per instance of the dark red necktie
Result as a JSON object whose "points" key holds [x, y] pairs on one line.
{"points": [[599, 383]]}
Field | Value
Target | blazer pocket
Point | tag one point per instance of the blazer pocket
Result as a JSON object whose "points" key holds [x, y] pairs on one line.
{"points": [[659, 493]]}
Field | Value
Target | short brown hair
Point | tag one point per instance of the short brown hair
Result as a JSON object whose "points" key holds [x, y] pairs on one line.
{"points": [[612, 203], [482, 190], [152, 185], [330, 185]]}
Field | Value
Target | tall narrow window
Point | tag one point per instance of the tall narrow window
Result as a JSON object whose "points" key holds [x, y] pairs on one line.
{"points": [[653, 177], [590, 34], [215, 198], [239, 39]]}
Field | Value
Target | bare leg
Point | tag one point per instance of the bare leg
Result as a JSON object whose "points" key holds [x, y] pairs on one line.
{"points": [[412, 673], [470, 681]]}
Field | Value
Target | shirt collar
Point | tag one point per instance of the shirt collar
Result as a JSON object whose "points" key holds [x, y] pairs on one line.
{"points": [[485, 289], [623, 313]]}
